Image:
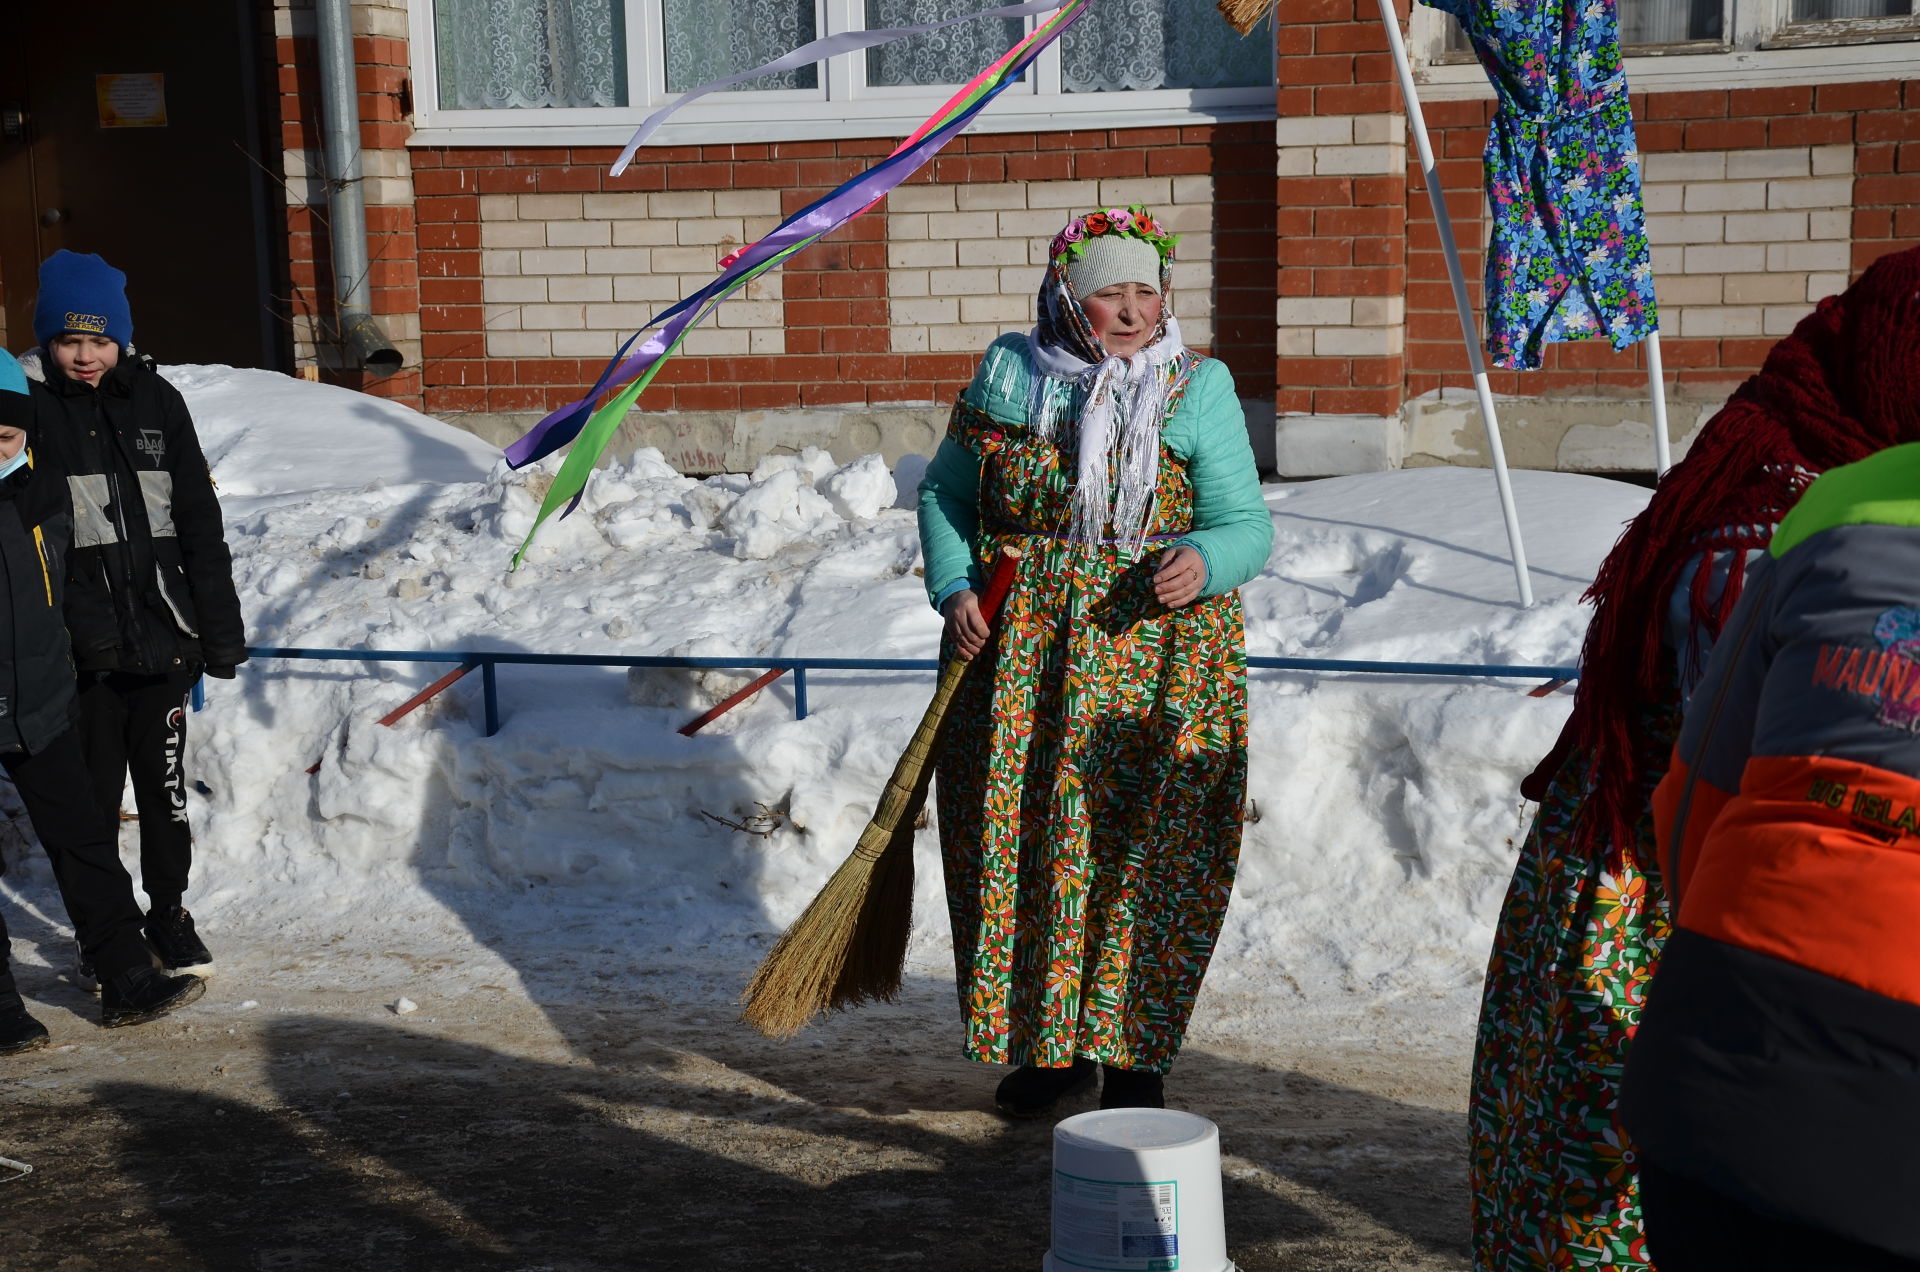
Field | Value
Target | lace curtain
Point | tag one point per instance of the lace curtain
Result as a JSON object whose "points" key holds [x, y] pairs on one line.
{"points": [[1123, 44], [711, 39], [952, 56], [1670, 21], [530, 53]]}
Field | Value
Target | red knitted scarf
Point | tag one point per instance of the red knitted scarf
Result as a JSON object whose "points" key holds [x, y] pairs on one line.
{"points": [[1845, 384]]}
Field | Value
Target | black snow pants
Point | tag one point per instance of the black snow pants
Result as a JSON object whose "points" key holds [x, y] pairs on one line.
{"points": [[85, 851], [139, 722]]}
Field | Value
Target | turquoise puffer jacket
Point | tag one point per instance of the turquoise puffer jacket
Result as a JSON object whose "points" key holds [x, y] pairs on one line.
{"points": [[1232, 529]]}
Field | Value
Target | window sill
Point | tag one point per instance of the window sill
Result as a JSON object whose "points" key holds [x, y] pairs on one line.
{"points": [[874, 118], [1679, 70], [1852, 32]]}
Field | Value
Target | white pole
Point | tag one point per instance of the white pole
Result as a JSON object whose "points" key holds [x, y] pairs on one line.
{"points": [[1469, 329], [1657, 385]]}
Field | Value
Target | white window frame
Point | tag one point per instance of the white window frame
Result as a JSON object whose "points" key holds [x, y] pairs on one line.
{"points": [[1764, 48], [843, 106]]}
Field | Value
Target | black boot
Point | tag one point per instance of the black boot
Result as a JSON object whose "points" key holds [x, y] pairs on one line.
{"points": [[1131, 1089], [1030, 1092], [170, 932], [141, 994], [18, 1031]]}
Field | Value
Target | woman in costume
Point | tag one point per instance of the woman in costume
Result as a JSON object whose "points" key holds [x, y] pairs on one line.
{"points": [[1553, 1173], [1091, 786]]}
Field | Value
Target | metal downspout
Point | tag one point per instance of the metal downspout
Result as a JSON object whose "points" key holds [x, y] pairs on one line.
{"points": [[358, 330]]}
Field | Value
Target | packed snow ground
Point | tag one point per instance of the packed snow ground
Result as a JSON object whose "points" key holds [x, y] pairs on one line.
{"points": [[1387, 807]]}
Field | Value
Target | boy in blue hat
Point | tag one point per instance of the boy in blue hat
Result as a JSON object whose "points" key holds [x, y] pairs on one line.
{"points": [[150, 599], [40, 749]]}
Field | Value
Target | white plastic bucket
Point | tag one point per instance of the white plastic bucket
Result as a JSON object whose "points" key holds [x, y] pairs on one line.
{"points": [[1137, 1190]]}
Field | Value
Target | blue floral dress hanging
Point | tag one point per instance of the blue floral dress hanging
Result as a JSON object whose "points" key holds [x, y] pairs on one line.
{"points": [[1569, 259]]}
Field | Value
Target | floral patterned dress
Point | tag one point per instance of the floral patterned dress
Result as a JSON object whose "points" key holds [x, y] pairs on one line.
{"points": [[1553, 1175], [1569, 258], [1090, 793]]}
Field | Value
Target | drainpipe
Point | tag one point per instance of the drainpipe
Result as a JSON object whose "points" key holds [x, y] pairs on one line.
{"points": [[365, 342]]}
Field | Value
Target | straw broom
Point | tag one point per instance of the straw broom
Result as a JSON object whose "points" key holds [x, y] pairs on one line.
{"points": [[850, 944], [1244, 13]]}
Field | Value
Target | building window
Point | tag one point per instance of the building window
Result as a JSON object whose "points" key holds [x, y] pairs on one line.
{"points": [[516, 54], [1653, 27], [511, 65], [708, 40]]}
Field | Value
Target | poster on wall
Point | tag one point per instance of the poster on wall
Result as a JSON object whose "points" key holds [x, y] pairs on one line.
{"points": [[131, 101]]}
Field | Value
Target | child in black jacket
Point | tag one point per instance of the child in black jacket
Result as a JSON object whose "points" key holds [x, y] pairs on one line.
{"points": [[150, 597], [40, 749]]}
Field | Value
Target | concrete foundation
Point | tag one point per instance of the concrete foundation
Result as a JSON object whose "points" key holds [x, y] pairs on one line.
{"points": [[1588, 435]]}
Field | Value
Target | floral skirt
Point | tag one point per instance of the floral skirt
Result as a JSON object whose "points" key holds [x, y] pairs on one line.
{"points": [[1090, 798], [1553, 1174]]}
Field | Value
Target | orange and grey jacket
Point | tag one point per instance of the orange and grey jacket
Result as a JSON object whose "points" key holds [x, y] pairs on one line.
{"points": [[1778, 1060]]}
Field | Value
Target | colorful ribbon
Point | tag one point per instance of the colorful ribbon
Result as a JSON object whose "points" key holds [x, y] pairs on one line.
{"points": [[595, 428]]}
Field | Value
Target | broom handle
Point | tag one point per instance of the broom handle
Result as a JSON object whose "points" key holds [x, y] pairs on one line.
{"points": [[907, 788]]}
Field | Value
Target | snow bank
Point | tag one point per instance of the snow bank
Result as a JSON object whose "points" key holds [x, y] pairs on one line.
{"points": [[1387, 808]]}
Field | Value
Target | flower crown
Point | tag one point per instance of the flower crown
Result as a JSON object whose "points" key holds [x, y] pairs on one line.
{"points": [[1134, 221]]}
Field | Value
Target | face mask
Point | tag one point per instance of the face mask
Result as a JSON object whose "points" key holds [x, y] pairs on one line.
{"points": [[10, 466]]}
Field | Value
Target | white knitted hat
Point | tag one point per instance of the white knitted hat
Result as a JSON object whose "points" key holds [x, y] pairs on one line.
{"points": [[1107, 259]]}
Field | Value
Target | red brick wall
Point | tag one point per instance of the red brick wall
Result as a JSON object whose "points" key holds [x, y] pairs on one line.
{"points": [[835, 293], [1374, 235], [393, 247], [1878, 119], [1342, 235]]}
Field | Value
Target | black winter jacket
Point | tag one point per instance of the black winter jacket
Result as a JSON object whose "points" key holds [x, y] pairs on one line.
{"points": [[37, 695], [149, 579]]}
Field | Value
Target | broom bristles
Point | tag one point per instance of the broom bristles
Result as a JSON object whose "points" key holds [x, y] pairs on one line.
{"points": [[849, 946], [1243, 14], [814, 967]]}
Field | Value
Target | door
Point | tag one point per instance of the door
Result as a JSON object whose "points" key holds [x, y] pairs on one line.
{"points": [[132, 130]]}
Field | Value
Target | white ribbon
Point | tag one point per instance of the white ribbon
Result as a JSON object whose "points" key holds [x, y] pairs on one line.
{"points": [[1126, 405], [819, 51]]}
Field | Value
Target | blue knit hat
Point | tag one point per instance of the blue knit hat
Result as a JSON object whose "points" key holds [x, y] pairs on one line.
{"points": [[82, 293]]}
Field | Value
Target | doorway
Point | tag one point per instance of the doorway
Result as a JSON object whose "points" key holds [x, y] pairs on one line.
{"points": [[132, 130]]}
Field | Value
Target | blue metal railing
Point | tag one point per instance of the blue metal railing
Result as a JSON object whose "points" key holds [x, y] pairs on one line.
{"points": [[488, 661]]}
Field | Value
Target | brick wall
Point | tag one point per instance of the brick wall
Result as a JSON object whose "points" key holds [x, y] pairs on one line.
{"points": [[1761, 201], [396, 250], [534, 262]]}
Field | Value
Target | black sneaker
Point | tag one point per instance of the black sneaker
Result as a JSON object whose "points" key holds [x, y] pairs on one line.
{"points": [[1032, 1092], [170, 932], [142, 994], [18, 1031], [1131, 1089], [83, 973]]}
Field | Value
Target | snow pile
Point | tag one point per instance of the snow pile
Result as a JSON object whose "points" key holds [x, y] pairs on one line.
{"points": [[1387, 808]]}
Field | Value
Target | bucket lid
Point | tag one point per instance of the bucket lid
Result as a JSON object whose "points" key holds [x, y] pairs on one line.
{"points": [[1134, 1129]]}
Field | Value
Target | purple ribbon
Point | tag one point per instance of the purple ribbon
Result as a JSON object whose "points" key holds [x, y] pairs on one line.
{"points": [[814, 221]]}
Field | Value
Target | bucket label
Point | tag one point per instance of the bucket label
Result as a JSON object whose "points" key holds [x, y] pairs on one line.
{"points": [[1116, 1226]]}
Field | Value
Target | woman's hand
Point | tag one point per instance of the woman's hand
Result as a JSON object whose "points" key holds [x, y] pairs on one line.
{"points": [[1181, 575], [966, 628]]}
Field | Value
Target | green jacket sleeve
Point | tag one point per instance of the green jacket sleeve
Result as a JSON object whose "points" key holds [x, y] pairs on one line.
{"points": [[949, 520], [950, 491], [1232, 529]]}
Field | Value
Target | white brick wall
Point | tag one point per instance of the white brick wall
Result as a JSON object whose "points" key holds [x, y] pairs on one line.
{"points": [[1745, 241], [570, 276], [964, 261]]}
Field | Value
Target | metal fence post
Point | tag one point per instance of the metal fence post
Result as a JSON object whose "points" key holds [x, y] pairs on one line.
{"points": [[490, 693], [799, 693]]}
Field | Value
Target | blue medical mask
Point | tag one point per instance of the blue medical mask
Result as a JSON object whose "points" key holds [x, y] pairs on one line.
{"points": [[10, 466]]}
